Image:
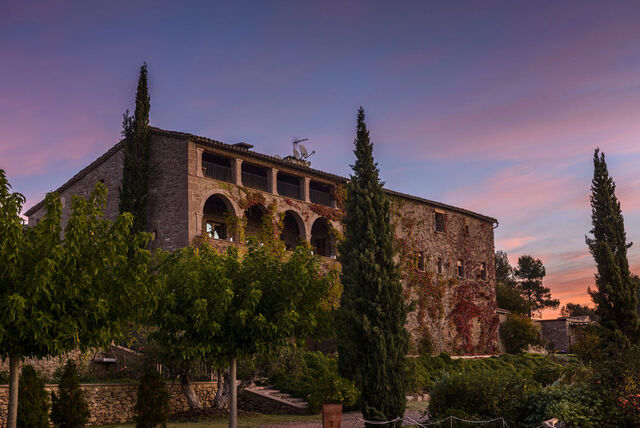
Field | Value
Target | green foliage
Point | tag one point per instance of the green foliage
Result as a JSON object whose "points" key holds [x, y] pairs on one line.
{"points": [[152, 406], [530, 273], [615, 294], [507, 292], [480, 395], [216, 306], [134, 188], [4, 377], [372, 339], [589, 342], [518, 332], [47, 284], [69, 408], [510, 299], [578, 310], [425, 371], [33, 408], [311, 375]]}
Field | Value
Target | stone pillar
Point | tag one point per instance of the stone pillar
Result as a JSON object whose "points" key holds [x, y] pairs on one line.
{"points": [[272, 179], [199, 230], [236, 166], [199, 151], [304, 187]]}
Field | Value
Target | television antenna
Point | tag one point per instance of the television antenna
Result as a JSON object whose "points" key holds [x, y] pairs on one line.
{"points": [[303, 154]]}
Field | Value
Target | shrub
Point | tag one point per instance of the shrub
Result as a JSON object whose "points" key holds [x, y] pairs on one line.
{"points": [[481, 395], [69, 408], [518, 333], [33, 405], [312, 375], [4, 377], [152, 407], [588, 343]]}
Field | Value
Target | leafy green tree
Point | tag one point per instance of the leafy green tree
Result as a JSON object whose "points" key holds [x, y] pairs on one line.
{"points": [[134, 188], [152, 405], [47, 284], [578, 310], [518, 332], [372, 339], [219, 307], [507, 293], [530, 273], [69, 408], [33, 411], [615, 293]]}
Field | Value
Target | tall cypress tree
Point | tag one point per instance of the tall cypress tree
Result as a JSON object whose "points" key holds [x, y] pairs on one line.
{"points": [[373, 340], [134, 188], [615, 294]]}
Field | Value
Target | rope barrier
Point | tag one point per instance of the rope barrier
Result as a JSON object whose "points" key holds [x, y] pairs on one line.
{"points": [[452, 418]]}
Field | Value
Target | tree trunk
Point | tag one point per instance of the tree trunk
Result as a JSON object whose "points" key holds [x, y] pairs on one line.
{"points": [[233, 411], [221, 400], [189, 393], [12, 416]]}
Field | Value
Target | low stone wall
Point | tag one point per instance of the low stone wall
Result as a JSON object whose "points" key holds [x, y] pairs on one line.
{"points": [[113, 403]]}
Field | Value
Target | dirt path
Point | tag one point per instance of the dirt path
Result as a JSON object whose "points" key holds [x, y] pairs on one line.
{"points": [[349, 420]]}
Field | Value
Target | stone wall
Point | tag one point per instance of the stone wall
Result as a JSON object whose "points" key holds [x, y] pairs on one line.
{"points": [[114, 403], [108, 169], [457, 313]]}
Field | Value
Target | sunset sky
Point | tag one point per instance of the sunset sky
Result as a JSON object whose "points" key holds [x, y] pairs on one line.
{"points": [[491, 106]]}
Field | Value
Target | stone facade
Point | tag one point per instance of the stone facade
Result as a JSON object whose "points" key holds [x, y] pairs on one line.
{"points": [[199, 187], [560, 333], [114, 403]]}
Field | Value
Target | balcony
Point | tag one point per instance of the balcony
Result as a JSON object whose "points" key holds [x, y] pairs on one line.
{"points": [[217, 167], [289, 186], [320, 193], [319, 197], [254, 177]]}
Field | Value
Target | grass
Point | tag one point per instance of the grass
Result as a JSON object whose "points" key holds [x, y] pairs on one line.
{"points": [[243, 422]]}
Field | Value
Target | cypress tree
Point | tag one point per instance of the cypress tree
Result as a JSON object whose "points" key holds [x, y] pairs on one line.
{"points": [[134, 187], [372, 340], [615, 294], [33, 410], [69, 409]]}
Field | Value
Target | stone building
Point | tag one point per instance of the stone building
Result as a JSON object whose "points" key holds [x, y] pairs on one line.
{"points": [[202, 188]]}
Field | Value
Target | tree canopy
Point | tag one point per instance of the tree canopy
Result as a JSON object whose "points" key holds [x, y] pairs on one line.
{"points": [[134, 188], [372, 339], [530, 273], [577, 310], [58, 294], [507, 292], [615, 292], [218, 307]]}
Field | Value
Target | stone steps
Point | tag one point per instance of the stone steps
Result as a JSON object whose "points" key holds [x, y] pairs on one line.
{"points": [[266, 399]]}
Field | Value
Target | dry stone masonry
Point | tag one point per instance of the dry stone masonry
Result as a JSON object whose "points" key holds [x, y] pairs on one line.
{"points": [[205, 189]]}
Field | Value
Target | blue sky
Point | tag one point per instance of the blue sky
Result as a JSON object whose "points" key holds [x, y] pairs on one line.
{"points": [[492, 106]]}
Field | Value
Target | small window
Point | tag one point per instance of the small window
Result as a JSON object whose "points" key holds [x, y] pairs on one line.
{"points": [[460, 266], [466, 230], [440, 221], [440, 265], [216, 230], [483, 271], [420, 261], [101, 180]]}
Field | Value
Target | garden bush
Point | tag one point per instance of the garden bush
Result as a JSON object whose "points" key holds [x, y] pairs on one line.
{"points": [[69, 408], [152, 406], [425, 371], [518, 333], [479, 395], [313, 376], [33, 401]]}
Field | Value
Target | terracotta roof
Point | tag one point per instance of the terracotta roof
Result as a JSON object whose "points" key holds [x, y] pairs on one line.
{"points": [[246, 152]]}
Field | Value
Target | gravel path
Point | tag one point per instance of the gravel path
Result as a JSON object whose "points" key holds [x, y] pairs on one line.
{"points": [[349, 420]]}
